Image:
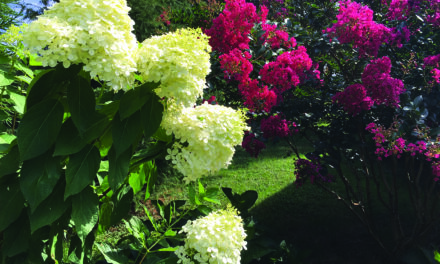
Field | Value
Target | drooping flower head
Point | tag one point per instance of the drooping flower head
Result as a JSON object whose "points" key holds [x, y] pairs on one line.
{"points": [[206, 136], [216, 238], [179, 61], [96, 33], [275, 126]]}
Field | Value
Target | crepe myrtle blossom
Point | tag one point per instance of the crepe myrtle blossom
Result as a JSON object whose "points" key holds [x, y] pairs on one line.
{"points": [[217, 238], [96, 33]]}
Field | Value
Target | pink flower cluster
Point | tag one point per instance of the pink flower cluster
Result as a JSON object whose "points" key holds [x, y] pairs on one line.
{"points": [[252, 145], [288, 70], [236, 64], [277, 38], [354, 99], [387, 145], [398, 10], [309, 169], [381, 87], [231, 28], [355, 25], [275, 126], [436, 75], [397, 36], [257, 98], [432, 61]]}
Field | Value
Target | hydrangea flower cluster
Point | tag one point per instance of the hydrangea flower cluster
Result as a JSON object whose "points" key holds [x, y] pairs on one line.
{"points": [[288, 70], [381, 87], [252, 145], [13, 35], [236, 65], [354, 99], [277, 38], [217, 238], [274, 126], [205, 138], [309, 169], [355, 25], [231, 28], [95, 33], [179, 61]]}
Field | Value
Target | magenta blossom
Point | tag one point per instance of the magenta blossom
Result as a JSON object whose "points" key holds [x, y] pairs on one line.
{"points": [[354, 99], [274, 126], [252, 145]]}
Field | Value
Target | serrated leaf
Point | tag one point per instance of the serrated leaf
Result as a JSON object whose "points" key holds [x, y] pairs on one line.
{"points": [[39, 128], [50, 209], [11, 203], [81, 100], [125, 132], [85, 211], [39, 177], [118, 168], [10, 162], [17, 236], [24, 78], [111, 255], [19, 101], [133, 100], [81, 170], [151, 115]]}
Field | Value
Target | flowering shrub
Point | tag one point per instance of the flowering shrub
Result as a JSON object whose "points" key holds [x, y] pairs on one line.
{"points": [[305, 168], [236, 65], [274, 126], [355, 25], [179, 61], [206, 136], [252, 145], [94, 33], [379, 84], [215, 238], [231, 28], [354, 99]]}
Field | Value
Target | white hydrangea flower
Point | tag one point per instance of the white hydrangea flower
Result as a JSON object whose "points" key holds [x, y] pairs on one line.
{"points": [[217, 238], [180, 61], [97, 33], [206, 136]]}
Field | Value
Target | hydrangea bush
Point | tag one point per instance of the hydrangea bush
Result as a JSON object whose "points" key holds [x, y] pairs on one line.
{"points": [[91, 129]]}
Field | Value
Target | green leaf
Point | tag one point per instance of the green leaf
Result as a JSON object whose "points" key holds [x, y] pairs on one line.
{"points": [[19, 101], [204, 209], [137, 179], [38, 178], [81, 100], [111, 255], [133, 100], [39, 128], [105, 216], [125, 132], [17, 236], [50, 209], [81, 170], [11, 203], [5, 80], [168, 249], [85, 211], [122, 203], [10, 163], [151, 171], [212, 195], [70, 141], [192, 195], [118, 167], [151, 115], [242, 201], [24, 78], [20, 66], [49, 83], [201, 188]]}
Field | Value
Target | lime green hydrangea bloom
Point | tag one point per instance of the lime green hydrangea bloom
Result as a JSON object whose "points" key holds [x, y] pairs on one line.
{"points": [[216, 238], [179, 61], [206, 136], [97, 33], [13, 36]]}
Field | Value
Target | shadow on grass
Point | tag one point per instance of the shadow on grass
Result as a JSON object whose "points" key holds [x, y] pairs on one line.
{"points": [[313, 221]]}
